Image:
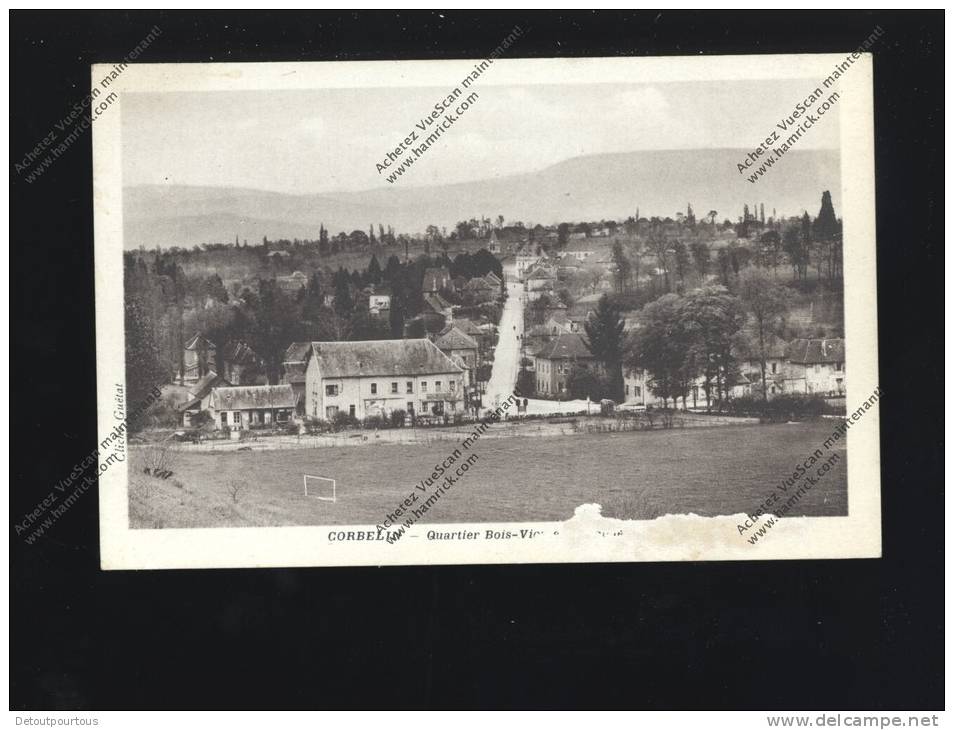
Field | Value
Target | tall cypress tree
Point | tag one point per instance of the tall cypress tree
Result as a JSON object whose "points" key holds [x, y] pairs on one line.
{"points": [[604, 338]]}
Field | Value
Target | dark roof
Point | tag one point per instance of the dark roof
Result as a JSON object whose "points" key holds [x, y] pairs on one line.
{"points": [[567, 346], [295, 362], [252, 396], [816, 351], [454, 339], [201, 388], [194, 344], [466, 326], [478, 283], [238, 353], [539, 330], [748, 348], [294, 373], [436, 302], [297, 352], [381, 357]]}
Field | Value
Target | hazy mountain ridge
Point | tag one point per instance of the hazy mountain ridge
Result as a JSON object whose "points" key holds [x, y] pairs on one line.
{"points": [[609, 185]]}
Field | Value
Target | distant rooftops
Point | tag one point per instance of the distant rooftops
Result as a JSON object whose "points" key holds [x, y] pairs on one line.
{"points": [[381, 357]]}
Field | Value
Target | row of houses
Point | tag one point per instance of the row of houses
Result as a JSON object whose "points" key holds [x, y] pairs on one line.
{"points": [[360, 379], [803, 366], [426, 376]]}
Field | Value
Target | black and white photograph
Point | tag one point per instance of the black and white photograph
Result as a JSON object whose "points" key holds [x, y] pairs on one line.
{"points": [[439, 361], [437, 326]]}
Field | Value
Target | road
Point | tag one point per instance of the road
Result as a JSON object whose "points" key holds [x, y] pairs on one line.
{"points": [[503, 375]]}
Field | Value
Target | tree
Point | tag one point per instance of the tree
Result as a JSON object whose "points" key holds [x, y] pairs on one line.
{"points": [[374, 270], [791, 245], [767, 302], [201, 419], [826, 230], [681, 259], [344, 302], [604, 338], [214, 288], [700, 256], [581, 382], [312, 300], [144, 370], [713, 317], [659, 246], [275, 323], [623, 268], [661, 348]]}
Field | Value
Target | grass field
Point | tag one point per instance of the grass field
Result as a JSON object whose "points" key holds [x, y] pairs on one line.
{"points": [[636, 475]]}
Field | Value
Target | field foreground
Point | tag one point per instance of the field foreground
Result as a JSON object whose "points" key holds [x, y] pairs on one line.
{"points": [[633, 475]]}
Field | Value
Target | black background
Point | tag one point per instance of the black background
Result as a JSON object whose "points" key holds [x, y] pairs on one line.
{"points": [[801, 634]]}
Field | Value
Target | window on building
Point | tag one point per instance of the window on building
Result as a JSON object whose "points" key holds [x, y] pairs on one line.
{"points": [[637, 391], [374, 388], [237, 417], [839, 366], [774, 367], [423, 386], [627, 390], [394, 387], [410, 386], [410, 406], [225, 419], [437, 385], [331, 390], [453, 385], [351, 410]]}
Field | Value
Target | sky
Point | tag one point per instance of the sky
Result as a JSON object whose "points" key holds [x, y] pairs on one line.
{"points": [[327, 140]]}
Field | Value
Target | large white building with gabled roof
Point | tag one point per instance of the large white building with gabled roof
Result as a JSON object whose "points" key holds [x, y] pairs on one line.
{"points": [[378, 377]]}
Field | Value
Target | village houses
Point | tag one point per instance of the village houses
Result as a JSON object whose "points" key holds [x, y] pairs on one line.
{"points": [[251, 406], [378, 377], [554, 361]]}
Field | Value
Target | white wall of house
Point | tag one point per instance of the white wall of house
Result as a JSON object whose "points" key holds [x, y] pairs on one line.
{"points": [[822, 378], [249, 417], [364, 396]]}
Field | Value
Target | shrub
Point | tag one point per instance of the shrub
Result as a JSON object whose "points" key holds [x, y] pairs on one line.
{"points": [[343, 420], [201, 419], [784, 407], [375, 422], [292, 428], [397, 418], [315, 426]]}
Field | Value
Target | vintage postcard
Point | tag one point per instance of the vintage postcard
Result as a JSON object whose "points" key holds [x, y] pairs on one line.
{"points": [[495, 310]]}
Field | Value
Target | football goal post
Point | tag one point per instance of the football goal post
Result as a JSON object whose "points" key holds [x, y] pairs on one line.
{"points": [[322, 488]]}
